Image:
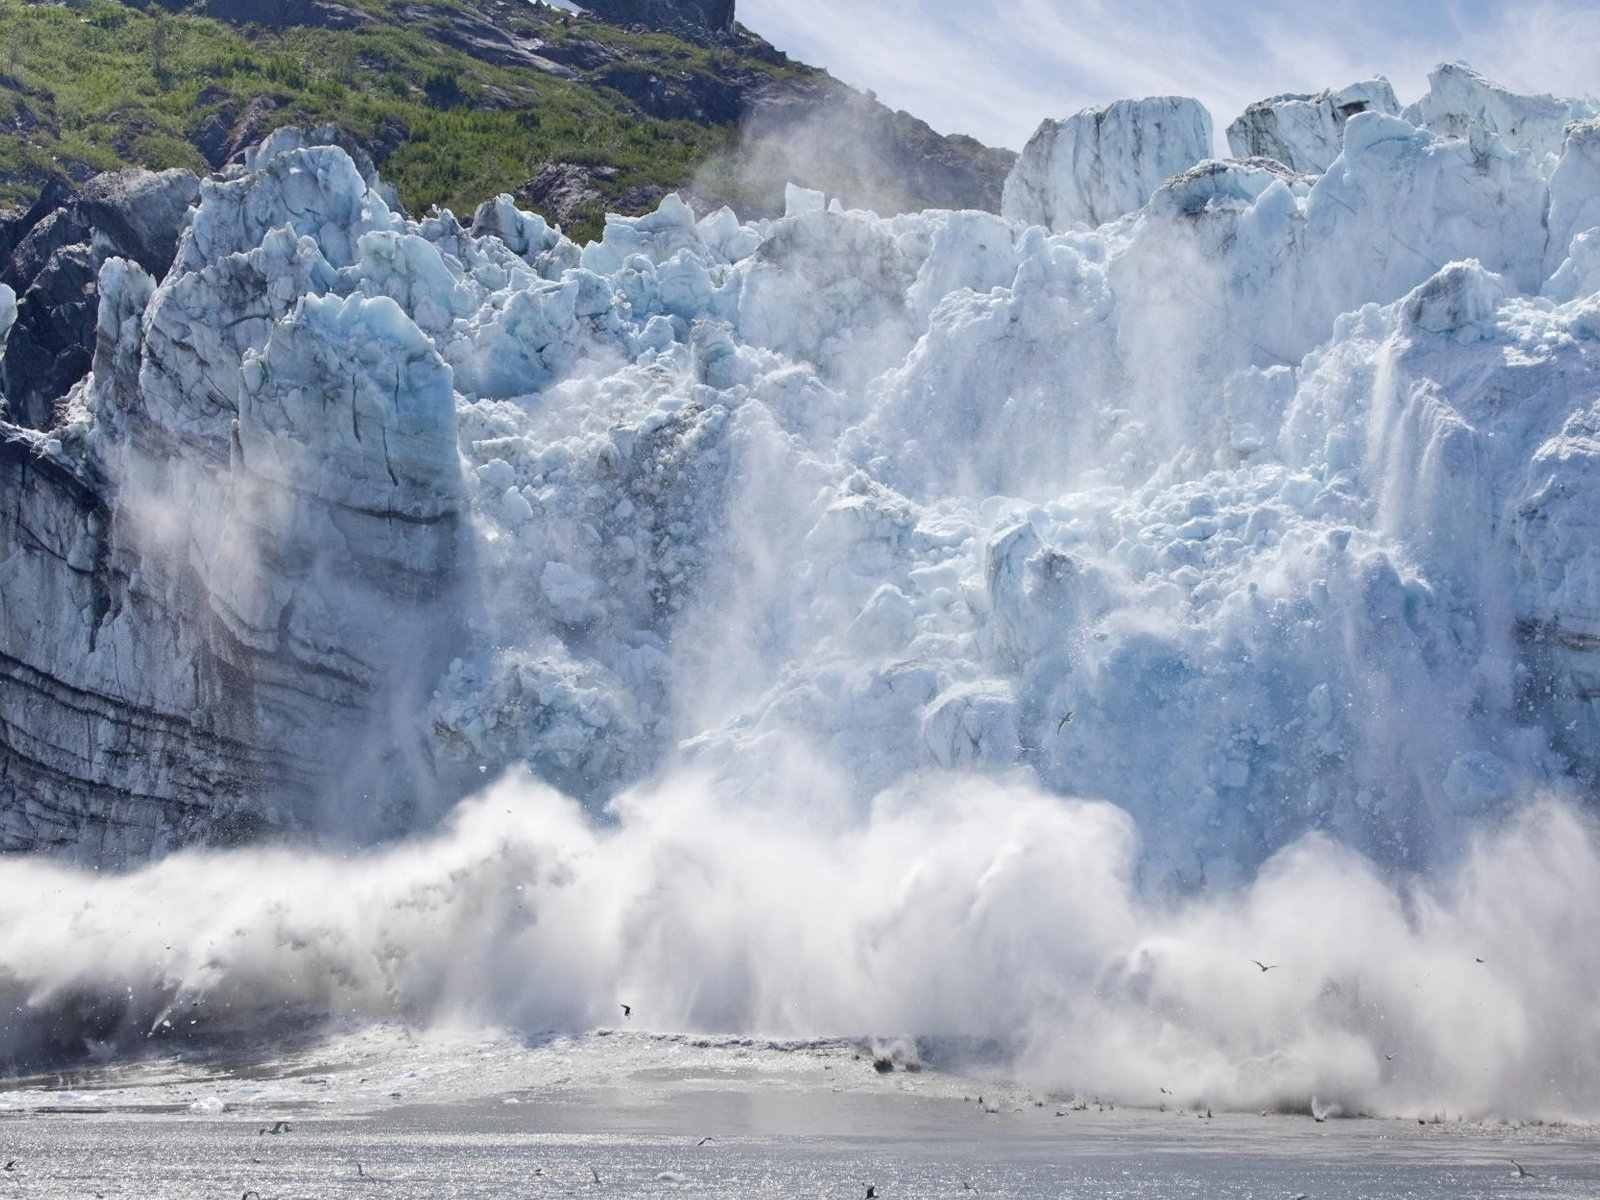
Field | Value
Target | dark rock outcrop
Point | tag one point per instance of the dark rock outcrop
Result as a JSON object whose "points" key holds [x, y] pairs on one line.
{"points": [[141, 212], [560, 190], [483, 39], [681, 96], [48, 350], [279, 14], [53, 267], [693, 18], [581, 54], [212, 138], [252, 125]]}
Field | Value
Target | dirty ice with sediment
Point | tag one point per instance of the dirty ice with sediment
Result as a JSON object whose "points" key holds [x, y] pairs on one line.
{"points": [[995, 629]]}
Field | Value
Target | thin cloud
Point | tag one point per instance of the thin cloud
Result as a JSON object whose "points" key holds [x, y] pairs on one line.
{"points": [[997, 72], [1547, 47]]}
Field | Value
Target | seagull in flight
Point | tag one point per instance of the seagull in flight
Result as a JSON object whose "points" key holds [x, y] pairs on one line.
{"points": [[1266, 966], [1520, 1170], [627, 1010], [1066, 720]]}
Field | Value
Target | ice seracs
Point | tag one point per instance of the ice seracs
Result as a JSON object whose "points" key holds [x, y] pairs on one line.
{"points": [[353, 503], [1462, 103], [1574, 212], [1306, 132], [1103, 162], [8, 314]]}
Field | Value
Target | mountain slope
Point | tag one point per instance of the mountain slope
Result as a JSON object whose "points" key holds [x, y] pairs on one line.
{"points": [[457, 102]]}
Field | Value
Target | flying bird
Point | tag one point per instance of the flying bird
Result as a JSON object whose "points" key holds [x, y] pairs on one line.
{"points": [[627, 1010], [704, 1140], [1520, 1170], [1266, 966], [1066, 720]]}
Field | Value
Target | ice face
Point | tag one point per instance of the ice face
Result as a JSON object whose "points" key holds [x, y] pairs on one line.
{"points": [[1574, 202], [1462, 103], [1104, 162], [1230, 554], [8, 313], [905, 491], [1306, 133]]}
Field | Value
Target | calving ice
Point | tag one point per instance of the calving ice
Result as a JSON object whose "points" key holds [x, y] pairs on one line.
{"points": [[1152, 628]]}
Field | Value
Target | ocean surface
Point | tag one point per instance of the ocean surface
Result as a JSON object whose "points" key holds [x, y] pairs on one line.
{"points": [[385, 1113]]}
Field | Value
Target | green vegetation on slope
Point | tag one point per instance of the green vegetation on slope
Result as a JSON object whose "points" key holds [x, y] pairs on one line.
{"points": [[97, 85]]}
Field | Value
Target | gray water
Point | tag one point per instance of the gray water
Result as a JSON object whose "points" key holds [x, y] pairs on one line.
{"points": [[670, 1117]]}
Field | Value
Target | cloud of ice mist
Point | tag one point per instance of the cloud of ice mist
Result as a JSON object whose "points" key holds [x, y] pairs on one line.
{"points": [[952, 906], [846, 144]]}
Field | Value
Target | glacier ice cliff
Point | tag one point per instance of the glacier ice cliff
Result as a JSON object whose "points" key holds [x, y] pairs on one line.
{"points": [[1306, 133], [1104, 162], [1274, 472]]}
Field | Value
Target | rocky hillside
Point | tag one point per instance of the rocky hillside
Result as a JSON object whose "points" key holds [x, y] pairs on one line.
{"points": [[459, 100]]}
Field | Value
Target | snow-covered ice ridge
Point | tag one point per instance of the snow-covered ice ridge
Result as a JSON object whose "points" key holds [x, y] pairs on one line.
{"points": [[1282, 484]]}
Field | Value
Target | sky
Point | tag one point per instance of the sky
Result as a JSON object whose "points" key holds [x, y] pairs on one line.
{"points": [[995, 70]]}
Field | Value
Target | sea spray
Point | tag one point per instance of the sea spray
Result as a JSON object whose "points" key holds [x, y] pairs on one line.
{"points": [[967, 910]]}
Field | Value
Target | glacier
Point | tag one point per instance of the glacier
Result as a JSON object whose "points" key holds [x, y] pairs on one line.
{"points": [[1195, 550]]}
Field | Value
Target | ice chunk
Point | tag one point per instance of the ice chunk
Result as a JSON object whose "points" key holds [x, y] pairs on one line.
{"points": [[316, 191], [1579, 273], [1103, 162], [527, 235], [1462, 103], [1574, 190], [567, 590], [349, 400], [886, 623], [1306, 132], [1461, 299], [798, 201], [970, 725], [8, 314]]}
